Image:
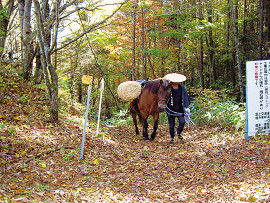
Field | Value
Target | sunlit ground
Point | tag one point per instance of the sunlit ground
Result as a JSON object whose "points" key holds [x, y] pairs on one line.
{"points": [[40, 162]]}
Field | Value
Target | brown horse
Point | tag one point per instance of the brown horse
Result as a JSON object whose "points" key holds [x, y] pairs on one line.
{"points": [[152, 100]]}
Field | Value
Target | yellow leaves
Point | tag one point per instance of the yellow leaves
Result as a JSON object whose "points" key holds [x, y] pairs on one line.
{"points": [[17, 118], [88, 189], [3, 116], [43, 165], [173, 165], [152, 195], [23, 152], [96, 162]]}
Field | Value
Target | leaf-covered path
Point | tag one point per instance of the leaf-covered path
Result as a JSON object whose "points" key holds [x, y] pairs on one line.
{"points": [[39, 161], [207, 166]]}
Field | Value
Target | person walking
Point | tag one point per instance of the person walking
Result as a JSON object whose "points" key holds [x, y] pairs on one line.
{"points": [[178, 104]]}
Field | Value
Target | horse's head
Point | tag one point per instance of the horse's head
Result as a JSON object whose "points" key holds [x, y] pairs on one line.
{"points": [[163, 94]]}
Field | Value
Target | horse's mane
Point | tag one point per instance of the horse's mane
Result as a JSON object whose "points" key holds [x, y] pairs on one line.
{"points": [[155, 84]]}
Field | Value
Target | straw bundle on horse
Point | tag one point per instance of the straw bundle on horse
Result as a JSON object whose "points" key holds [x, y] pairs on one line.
{"points": [[129, 90]]}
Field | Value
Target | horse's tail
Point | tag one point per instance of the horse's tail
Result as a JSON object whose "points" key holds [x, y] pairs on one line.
{"points": [[134, 106]]}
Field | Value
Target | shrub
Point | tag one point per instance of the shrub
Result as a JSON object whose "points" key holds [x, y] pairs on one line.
{"points": [[212, 107]]}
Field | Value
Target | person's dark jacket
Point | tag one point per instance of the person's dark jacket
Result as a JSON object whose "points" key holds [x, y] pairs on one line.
{"points": [[185, 98]]}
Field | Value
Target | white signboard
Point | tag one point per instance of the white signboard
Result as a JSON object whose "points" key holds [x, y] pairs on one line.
{"points": [[258, 98]]}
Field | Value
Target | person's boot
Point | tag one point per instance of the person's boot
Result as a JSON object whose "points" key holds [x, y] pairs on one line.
{"points": [[180, 137], [172, 139]]}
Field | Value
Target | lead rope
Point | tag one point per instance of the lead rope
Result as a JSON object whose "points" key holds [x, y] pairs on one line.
{"points": [[174, 113]]}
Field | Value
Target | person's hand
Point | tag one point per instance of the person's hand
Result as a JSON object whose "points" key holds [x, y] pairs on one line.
{"points": [[187, 111]]}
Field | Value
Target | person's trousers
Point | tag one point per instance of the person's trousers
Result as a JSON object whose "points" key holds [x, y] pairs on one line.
{"points": [[180, 127]]}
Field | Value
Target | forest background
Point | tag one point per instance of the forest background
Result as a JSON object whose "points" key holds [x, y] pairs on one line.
{"points": [[55, 43]]}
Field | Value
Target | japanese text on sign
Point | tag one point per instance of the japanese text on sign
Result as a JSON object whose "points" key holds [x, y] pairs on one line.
{"points": [[258, 108]]}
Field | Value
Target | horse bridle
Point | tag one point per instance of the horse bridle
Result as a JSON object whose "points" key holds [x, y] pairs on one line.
{"points": [[162, 105]]}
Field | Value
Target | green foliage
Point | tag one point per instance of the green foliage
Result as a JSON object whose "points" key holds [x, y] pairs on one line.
{"points": [[214, 108], [121, 117], [4, 13]]}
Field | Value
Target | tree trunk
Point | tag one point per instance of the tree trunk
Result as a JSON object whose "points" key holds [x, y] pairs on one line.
{"points": [[238, 55], [201, 47], [27, 44], [4, 21], [201, 63], [151, 66], [211, 48], [143, 57], [38, 77], [268, 22], [134, 43], [229, 75], [51, 78], [261, 30]]}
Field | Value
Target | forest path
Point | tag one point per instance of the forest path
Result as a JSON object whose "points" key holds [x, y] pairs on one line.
{"points": [[208, 165], [40, 160]]}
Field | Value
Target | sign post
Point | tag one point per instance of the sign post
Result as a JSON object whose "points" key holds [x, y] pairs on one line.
{"points": [[86, 80], [100, 100], [257, 97]]}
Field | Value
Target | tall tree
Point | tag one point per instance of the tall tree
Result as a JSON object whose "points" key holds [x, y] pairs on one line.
{"points": [[261, 2], [211, 47], [49, 71], [5, 13], [201, 68], [142, 36], [238, 55], [134, 42], [26, 37]]}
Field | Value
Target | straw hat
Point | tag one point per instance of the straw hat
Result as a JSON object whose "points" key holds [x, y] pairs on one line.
{"points": [[175, 77], [129, 90]]}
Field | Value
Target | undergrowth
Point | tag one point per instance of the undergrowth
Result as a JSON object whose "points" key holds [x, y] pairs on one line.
{"points": [[216, 108], [208, 108]]}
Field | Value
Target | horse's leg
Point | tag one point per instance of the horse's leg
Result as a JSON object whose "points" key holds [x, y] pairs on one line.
{"points": [[155, 119], [135, 122], [145, 126], [133, 111]]}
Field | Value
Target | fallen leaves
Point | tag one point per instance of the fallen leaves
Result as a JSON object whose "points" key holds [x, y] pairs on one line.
{"points": [[40, 161]]}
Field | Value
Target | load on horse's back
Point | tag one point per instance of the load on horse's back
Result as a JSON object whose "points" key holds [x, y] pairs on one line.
{"points": [[151, 101]]}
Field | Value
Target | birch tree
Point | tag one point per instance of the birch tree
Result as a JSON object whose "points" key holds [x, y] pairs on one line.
{"points": [[26, 37], [48, 20]]}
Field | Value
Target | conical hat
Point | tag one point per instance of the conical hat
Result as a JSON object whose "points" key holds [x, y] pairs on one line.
{"points": [[175, 77], [129, 90]]}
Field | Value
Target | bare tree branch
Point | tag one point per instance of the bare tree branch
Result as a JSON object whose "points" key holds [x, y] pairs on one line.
{"points": [[93, 27]]}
